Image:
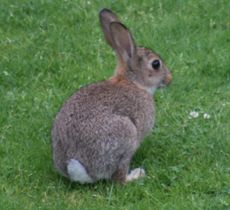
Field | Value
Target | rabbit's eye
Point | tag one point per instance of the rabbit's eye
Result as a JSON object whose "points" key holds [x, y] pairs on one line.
{"points": [[156, 64]]}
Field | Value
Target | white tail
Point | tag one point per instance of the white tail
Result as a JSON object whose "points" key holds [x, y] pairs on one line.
{"points": [[77, 172]]}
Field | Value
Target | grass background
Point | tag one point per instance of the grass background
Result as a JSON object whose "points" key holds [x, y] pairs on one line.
{"points": [[48, 49]]}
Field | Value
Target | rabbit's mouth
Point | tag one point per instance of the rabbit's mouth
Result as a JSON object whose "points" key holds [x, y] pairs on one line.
{"points": [[165, 83]]}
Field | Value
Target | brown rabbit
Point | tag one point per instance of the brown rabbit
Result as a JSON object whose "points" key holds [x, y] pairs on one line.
{"points": [[98, 130]]}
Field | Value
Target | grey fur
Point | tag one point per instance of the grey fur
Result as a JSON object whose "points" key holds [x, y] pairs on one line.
{"points": [[103, 124]]}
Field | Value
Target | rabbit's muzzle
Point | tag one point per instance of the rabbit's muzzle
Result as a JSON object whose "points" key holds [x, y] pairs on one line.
{"points": [[167, 79]]}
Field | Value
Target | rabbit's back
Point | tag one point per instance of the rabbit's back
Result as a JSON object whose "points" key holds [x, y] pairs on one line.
{"points": [[94, 122]]}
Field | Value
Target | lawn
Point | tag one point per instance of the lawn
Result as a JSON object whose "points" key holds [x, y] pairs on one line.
{"points": [[49, 49]]}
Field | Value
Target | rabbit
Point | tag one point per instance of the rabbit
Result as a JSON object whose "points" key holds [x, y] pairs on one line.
{"points": [[98, 129]]}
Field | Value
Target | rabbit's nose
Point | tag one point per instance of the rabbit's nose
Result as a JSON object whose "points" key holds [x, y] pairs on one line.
{"points": [[168, 78]]}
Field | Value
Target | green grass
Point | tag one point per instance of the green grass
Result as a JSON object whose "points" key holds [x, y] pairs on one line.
{"points": [[48, 49]]}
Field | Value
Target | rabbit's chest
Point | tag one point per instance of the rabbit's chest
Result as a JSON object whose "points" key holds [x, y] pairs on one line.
{"points": [[145, 120]]}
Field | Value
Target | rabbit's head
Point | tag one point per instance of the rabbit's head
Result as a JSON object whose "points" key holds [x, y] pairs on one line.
{"points": [[137, 64]]}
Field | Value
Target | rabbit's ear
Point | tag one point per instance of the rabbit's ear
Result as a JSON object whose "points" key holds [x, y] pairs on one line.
{"points": [[123, 40], [106, 17]]}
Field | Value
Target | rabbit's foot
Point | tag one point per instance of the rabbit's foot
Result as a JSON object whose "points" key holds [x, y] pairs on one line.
{"points": [[135, 174]]}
